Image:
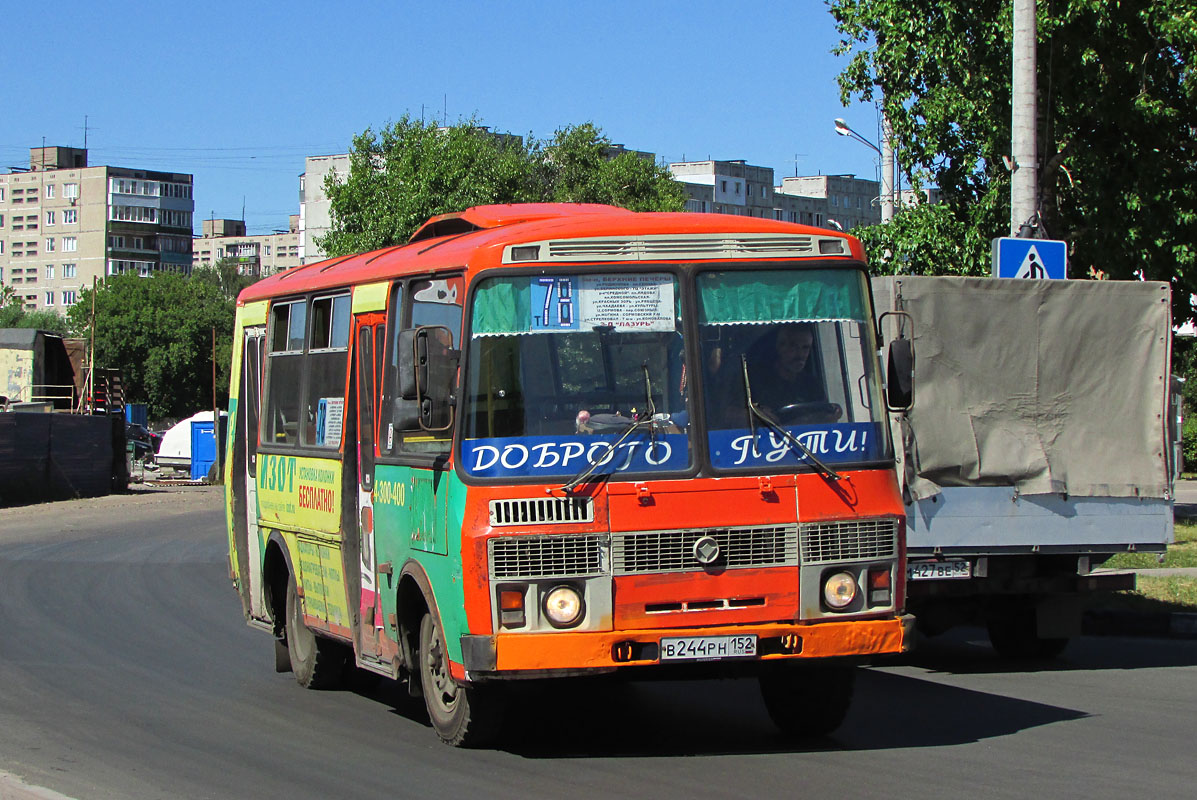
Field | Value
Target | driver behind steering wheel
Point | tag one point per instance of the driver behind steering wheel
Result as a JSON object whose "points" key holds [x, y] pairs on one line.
{"points": [[784, 381]]}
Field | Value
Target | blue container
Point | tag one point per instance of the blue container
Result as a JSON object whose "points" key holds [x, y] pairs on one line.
{"points": [[203, 449], [138, 414]]}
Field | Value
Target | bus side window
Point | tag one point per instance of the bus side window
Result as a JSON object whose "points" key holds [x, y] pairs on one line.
{"points": [[284, 371], [388, 432], [328, 354], [434, 302]]}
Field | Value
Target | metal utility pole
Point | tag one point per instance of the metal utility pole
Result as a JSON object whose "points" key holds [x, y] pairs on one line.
{"points": [[887, 171], [887, 162], [1024, 177]]}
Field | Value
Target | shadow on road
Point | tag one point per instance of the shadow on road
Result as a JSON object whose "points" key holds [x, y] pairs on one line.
{"points": [[966, 651], [611, 718], [603, 718]]}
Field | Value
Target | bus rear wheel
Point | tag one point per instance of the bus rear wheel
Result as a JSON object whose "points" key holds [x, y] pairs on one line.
{"points": [[317, 662], [807, 701], [462, 716]]}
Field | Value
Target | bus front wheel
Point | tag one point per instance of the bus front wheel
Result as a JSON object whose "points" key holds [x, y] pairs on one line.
{"points": [[807, 700], [316, 662], [462, 716]]}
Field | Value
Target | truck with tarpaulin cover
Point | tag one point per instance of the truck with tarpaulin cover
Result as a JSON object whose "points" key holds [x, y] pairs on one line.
{"points": [[1040, 442]]}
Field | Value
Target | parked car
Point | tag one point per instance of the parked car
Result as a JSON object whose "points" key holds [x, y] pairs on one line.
{"points": [[145, 442]]}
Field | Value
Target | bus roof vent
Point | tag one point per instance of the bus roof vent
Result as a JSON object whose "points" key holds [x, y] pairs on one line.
{"points": [[676, 248], [541, 511]]}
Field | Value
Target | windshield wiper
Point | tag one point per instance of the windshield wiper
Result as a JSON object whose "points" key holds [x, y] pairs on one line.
{"points": [[638, 420], [755, 412]]}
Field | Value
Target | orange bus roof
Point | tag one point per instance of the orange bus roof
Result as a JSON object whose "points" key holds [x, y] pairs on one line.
{"points": [[450, 241]]}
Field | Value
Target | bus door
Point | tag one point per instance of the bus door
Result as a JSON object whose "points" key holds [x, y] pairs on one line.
{"points": [[250, 549], [435, 302], [371, 345]]}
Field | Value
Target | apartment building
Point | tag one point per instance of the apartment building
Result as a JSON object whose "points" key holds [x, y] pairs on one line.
{"points": [[739, 188], [64, 223], [257, 256], [848, 201], [726, 187], [315, 210]]}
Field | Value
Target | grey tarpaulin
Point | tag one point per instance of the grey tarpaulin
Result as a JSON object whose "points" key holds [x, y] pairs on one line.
{"points": [[1050, 387]]}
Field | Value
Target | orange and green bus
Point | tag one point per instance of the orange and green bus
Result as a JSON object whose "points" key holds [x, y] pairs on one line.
{"points": [[540, 441]]}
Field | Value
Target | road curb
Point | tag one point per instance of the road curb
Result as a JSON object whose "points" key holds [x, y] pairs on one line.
{"points": [[1174, 625]]}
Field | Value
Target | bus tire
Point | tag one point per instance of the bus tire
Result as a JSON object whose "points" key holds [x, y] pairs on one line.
{"points": [[317, 662], [1014, 636], [462, 716], [809, 700]]}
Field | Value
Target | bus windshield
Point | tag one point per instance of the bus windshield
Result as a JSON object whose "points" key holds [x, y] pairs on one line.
{"points": [[798, 345], [569, 369]]}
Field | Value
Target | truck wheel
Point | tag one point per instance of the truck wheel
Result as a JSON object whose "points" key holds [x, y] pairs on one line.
{"points": [[462, 716], [1014, 636], [316, 662], [808, 700]]}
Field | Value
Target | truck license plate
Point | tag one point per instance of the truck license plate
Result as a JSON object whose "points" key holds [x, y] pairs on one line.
{"points": [[707, 648], [938, 570]]}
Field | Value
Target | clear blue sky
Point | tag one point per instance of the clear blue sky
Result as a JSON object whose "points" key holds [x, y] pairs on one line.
{"points": [[238, 93]]}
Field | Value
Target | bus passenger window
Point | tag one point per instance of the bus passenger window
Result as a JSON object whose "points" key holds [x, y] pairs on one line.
{"points": [[328, 353], [284, 370]]}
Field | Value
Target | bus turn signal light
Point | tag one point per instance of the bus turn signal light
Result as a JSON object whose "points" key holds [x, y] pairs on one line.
{"points": [[511, 608], [879, 586]]}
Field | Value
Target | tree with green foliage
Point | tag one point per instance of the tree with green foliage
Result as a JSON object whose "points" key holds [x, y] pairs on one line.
{"points": [[411, 171], [1117, 130], [225, 276], [158, 332], [14, 315]]}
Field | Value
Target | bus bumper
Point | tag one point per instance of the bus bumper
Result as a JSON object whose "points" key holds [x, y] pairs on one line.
{"points": [[536, 654]]}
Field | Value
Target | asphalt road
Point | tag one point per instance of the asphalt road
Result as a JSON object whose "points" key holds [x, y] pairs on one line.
{"points": [[126, 671]]}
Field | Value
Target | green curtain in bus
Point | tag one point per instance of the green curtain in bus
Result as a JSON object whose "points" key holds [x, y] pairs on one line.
{"points": [[782, 295], [502, 307]]}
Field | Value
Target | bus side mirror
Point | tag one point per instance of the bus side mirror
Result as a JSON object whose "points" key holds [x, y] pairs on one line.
{"points": [[899, 375], [899, 365], [409, 361], [433, 373]]}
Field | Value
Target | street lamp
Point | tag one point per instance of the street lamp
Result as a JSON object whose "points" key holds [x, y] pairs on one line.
{"points": [[844, 129], [887, 163]]}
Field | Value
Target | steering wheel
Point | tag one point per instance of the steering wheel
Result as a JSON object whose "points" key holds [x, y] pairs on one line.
{"points": [[810, 412]]}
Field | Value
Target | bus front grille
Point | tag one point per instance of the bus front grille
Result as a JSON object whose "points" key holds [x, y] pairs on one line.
{"points": [[541, 510], [533, 557], [676, 551], [849, 540]]}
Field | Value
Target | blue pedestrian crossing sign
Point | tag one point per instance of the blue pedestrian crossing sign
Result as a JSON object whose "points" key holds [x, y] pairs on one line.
{"points": [[1030, 258]]}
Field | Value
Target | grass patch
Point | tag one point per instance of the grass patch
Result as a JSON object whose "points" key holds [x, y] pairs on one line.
{"points": [[1181, 553], [1164, 594]]}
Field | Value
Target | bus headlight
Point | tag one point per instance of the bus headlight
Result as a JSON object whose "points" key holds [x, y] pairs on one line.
{"points": [[563, 606], [839, 590]]}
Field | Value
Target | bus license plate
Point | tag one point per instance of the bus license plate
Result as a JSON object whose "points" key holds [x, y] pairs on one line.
{"points": [[938, 570], [708, 648]]}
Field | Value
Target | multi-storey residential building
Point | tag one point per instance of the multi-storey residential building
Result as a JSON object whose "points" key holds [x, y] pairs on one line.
{"points": [[257, 256], [64, 223], [726, 187], [315, 216], [736, 187], [848, 201]]}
